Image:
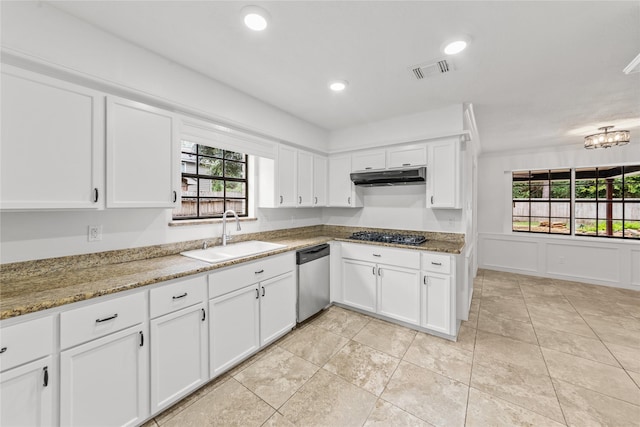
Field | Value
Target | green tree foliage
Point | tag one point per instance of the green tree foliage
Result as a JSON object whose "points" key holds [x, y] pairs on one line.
{"points": [[220, 166]]}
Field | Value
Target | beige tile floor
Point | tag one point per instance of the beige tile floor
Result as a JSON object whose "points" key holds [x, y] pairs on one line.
{"points": [[535, 352]]}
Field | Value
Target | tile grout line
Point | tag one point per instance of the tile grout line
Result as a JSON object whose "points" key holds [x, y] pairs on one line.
{"points": [[473, 354]]}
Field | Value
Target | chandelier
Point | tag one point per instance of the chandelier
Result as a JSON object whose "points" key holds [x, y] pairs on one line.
{"points": [[607, 138]]}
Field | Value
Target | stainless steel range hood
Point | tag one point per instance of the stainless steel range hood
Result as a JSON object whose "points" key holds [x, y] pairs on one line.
{"points": [[411, 176]]}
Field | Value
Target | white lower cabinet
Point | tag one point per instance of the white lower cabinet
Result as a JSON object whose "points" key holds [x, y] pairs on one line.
{"points": [[253, 304], [387, 289], [277, 307], [179, 361], [104, 363], [399, 293], [26, 395], [105, 381], [436, 302], [359, 284], [27, 380], [438, 293], [234, 328]]}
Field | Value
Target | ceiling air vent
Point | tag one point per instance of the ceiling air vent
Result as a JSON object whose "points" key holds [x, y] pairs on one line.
{"points": [[433, 68]]}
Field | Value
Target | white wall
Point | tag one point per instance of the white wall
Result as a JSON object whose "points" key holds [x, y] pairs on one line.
{"points": [[610, 262], [399, 207], [413, 127]]}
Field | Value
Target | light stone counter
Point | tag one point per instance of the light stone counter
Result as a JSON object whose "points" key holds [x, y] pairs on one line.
{"points": [[31, 286]]}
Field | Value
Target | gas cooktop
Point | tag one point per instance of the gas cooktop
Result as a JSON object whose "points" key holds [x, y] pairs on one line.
{"points": [[396, 238]]}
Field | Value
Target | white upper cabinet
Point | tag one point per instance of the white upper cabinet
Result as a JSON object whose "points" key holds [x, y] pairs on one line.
{"points": [[142, 156], [342, 192], [305, 177], [52, 143], [406, 156], [278, 180], [443, 182], [319, 180], [368, 160]]}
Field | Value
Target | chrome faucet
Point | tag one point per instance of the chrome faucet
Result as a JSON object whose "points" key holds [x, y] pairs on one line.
{"points": [[226, 237]]}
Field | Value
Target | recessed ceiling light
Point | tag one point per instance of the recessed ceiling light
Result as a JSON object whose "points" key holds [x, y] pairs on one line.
{"points": [[338, 85], [255, 17], [457, 45]]}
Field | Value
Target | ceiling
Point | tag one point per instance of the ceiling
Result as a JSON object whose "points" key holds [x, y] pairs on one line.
{"points": [[538, 73]]}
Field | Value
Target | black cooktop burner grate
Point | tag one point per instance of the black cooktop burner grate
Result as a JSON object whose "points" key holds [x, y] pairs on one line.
{"points": [[396, 238]]}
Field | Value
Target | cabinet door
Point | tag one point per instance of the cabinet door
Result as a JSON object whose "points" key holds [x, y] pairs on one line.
{"points": [[399, 293], [305, 179], [359, 284], [287, 176], [105, 382], [26, 395], [277, 307], [52, 143], [341, 189], [436, 302], [179, 355], [319, 180], [402, 157], [368, 160], [444, 181], [142, 156], [234, 328]]}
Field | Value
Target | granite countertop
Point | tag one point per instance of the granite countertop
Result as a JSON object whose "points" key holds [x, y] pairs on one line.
{"points": [[39, 285]]}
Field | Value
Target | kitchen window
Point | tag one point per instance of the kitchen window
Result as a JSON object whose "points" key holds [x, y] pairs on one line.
{"points": [[213, 181], [541, 201], [603, 201], [607, 202]]}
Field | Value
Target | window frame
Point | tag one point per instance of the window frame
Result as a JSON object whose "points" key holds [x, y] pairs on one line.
{"points": [[599, 202], [197, 176], [557, 174]]}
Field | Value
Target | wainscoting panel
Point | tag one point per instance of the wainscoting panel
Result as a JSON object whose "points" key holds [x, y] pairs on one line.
{"points": [[608, 262], [508, 254]]}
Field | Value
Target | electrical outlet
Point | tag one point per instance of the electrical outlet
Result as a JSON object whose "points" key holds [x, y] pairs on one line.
{"points": [[95, 233]]}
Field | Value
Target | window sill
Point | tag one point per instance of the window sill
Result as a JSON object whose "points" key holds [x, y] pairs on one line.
{"points": [[186, 222]]}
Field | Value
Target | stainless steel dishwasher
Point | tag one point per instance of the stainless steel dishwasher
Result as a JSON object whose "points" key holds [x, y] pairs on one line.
{"points": [[313, 280]]}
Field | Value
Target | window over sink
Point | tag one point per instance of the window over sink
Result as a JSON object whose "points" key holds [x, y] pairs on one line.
{"points": [[213, 181]]}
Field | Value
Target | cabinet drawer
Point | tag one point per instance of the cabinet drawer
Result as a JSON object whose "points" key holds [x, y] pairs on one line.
{"points": [[383, 255], [237, 277], [436, 263], [25, 342], [176, 295], [100, 319]]}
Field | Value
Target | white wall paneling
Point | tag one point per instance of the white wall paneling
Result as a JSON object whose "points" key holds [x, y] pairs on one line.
{"points": [[608, 263]]}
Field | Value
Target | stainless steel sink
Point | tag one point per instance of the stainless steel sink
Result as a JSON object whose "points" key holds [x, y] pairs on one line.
{"points": [[237, 250]]}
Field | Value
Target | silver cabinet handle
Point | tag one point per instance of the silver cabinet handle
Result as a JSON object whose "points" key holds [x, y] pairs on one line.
{"points": [[45, 379], [179, 296], [204, 314], [263, 291], [259, 271], [406, 164], [316, 200], [104, 319], [379, 272], [436, 263], [141, 339], [424, 280], [377, 255], [431, 199], [175, 196], [374, 270], [3, 349], [257, 293], [367, 168], [299, 200], [95, 195], [349, 200], [281, 199]]}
